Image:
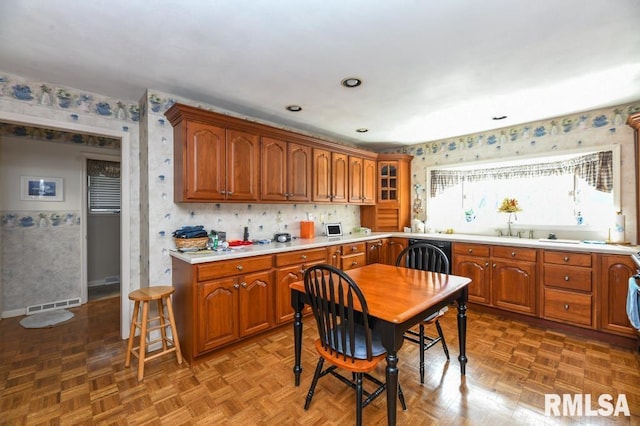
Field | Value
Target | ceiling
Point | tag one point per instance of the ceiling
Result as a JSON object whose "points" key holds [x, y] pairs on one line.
{"points": [[430, 69]]}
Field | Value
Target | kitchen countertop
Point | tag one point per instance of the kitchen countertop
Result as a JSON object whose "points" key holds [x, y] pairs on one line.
{"points": [[318, 242]]}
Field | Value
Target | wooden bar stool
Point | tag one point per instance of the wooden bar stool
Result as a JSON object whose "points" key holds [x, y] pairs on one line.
{"points": [[145, 295]]}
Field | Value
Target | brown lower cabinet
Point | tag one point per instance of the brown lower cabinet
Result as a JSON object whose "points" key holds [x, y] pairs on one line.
{"points": [[290, 268], [614, 276], [586, 290]]}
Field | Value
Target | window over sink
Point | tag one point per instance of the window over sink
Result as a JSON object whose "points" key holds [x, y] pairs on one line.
{"points": [[571, 190]]}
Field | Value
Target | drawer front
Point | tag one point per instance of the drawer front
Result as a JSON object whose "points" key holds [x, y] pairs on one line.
{"points": [[567, 258], [517, 253], [226, 268], [300, 256], [569, 277], [471, 249], [353, 261], [568, 306], [354, 248]]}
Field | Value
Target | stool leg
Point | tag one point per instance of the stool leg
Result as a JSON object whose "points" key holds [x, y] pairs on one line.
{"points": [[163, 323], [143, 339], [174, 330], [132, 333]]}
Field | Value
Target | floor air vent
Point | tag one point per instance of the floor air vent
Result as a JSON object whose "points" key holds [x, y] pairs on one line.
{"points": [[52, 306]]}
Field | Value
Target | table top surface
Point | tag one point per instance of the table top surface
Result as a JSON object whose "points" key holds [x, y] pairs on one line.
{"points": [[396, 294]]}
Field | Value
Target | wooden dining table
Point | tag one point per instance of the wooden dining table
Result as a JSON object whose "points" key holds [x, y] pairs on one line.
{"points": [[398, 298]]}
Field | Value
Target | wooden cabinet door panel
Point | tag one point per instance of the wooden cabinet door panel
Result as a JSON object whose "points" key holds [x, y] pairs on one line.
{"points": [[339, 178], [396, 245], [298, 172], [369, 178], [321, 175], [284, 277], [274, 170], [568, 306], [205, 162], [353, 261], [616, 271], [513, 286], [355, 179], [255, 303], [476, 268], [217, 313], [377, 251], [243, 165]]}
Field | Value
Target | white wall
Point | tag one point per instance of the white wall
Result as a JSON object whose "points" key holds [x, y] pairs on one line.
{"points": [[41, 240]]}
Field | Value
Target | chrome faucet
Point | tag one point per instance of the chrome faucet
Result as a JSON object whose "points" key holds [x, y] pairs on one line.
{"points": [[509, 222]]}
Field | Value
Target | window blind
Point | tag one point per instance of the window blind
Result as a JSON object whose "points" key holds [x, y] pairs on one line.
{"points": [[103, 188]]}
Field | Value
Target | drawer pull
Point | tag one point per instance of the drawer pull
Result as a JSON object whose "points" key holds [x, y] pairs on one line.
{"points": [[486, 264], [566, 307], [566, 258], [354, 248], [303, 257], [513, 254], [469, 250], [494, 265], [566, 277], [236, 286], [239, 267], [243, 284], [354, 263]]}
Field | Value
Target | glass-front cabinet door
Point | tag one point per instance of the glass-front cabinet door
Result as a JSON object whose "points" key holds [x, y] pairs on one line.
{"points": [[388, 181]]}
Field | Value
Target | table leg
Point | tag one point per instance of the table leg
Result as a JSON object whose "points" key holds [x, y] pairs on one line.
{"points": [[392, 387], [297, 334], [462, 332]]}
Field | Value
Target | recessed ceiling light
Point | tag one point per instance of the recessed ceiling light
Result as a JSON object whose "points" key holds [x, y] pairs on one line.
{"points": [[351, 82], [294, 108], [499, 117], [362, 130]]}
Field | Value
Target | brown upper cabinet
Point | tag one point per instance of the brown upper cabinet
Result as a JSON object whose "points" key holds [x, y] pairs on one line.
{"points": [[362, 180], [330, 176], [391, 213], [219, 158], [286, 171]]}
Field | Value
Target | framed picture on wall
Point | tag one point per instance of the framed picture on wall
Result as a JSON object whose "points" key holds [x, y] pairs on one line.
{"points": [[41, 188]]}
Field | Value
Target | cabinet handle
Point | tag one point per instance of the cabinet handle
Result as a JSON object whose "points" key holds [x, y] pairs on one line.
{"points": [[229, 192], [303, 257], [223, 192], [239, 267], [566, 307], [494, 265], [566, 277], [566, 258], [302, 270], [513, 254], [487, 264], [354, 263], [469, 250], [243, 284], [354, 248], [338, 252], [236, 286]]}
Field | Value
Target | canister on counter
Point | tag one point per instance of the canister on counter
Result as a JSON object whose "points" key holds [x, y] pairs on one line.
{"points": [[307, 229]]}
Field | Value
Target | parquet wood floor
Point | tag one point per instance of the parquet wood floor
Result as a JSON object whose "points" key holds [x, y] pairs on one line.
{"points": [[74, 374]]}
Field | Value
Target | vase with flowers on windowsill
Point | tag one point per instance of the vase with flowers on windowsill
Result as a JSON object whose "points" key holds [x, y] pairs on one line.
{"points": [[511, 206]]}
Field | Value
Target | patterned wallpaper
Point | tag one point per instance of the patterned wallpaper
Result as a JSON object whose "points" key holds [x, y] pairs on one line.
{"points": [[586, 129]]}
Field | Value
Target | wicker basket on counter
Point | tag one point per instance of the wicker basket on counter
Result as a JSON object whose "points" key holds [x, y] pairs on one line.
{"points": [[191, 243]]}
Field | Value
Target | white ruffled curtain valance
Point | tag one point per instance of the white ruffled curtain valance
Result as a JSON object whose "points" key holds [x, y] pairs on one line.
{"points": [[595, 168]]}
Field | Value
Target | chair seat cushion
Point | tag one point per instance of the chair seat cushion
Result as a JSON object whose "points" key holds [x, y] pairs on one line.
{"points": [[360, 343]]}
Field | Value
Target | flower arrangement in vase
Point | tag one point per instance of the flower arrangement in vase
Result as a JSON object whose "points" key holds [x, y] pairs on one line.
{"points": [[509, 205]]}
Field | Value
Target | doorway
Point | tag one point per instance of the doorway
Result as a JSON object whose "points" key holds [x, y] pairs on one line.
{"points": [[102, 183], [125, 216]]}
